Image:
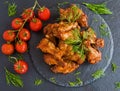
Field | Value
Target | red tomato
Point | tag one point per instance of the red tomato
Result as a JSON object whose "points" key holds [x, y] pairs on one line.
{"points": [[21, 67], [35, 24], [44, 13], [24, 34], [7, 49], [9, 35], [17, 23], [28, 13], [21, 46]]}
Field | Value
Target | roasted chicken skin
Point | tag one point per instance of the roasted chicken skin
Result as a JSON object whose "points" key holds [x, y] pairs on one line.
{"points": [[66, 46]]}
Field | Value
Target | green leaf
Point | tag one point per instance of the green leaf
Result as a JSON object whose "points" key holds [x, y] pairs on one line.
{"points": [[38, 82], [75, 39], [99, 73], [12, 9], [13, 79], [77, 73], [98, 8], [52, 79], [78, 81], [117, 85], [103, 31], [114, 67]]}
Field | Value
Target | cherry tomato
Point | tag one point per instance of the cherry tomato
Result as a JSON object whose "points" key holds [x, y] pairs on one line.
{"points": [[17, 23], [24, 34], [35, 24], [21, 46], [21, 67], [44, 13], [7, 49], [9, 35], [28, 13]]}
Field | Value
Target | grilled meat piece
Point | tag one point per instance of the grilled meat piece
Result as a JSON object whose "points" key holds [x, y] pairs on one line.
{"points": [[68, 68], [94, 55], [74, 14]]}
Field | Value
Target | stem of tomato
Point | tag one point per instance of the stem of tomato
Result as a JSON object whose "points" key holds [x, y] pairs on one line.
{"points": [[13, 58], [35, 4], [38, 4]]}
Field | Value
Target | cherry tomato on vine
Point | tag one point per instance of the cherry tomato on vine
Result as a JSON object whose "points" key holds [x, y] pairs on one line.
{"points": [[21, 67], [28, 13], [35, 24], [17, 23], [7, 49], [9, 35], [21, 46], [44, 13], [24, 34]]}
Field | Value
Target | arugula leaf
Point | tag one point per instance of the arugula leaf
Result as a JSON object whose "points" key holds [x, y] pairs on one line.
{"points": [[98, 8], [99, 73], [38, 82]]}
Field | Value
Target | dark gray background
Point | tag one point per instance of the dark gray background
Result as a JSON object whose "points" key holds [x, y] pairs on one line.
{"points": [[104, 84]]}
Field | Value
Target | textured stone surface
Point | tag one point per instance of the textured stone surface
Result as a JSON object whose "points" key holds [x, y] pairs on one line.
{"points": [[104, 84]]}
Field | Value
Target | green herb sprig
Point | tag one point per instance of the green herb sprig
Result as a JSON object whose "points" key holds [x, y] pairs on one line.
{"points": [[77, 73], [99, 73], [117, 85], [13, 79], [12, 9], [114, 67], [98, 8], [61, 4], [75, 83], [38, 82], [103, 31], [52, 79]]}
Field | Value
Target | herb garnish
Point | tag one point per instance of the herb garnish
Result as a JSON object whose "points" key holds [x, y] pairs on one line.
{"points": [[13, 79], [75, 39], [38, 82], [77, 73], [75, 83], [98, 8], [52, 79], [103, 31], [12, 9], [117, 85], [61, 4], [72, 15], [99, 73], [114, 67]]}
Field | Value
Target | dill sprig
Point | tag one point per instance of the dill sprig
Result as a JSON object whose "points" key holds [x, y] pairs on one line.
{"points": [[98, 8]]}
